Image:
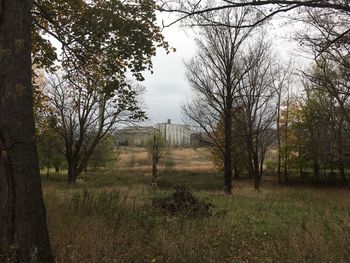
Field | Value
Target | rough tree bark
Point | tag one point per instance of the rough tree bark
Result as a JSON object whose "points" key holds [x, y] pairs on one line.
{"points": [[23, 228]]}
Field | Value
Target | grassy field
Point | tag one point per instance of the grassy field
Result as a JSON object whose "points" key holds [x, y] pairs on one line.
{"points": [[108, 217]]}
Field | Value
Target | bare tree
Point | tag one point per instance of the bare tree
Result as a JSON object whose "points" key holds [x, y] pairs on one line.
{"points": [[257, 96], [264, 10], [85, 113], [216, 75], [156, 146], [326, 32], [285, 146], [280, 81]]}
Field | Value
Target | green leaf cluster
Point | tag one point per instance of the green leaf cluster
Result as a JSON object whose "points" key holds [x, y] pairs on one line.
{"points": [[114, 36]]}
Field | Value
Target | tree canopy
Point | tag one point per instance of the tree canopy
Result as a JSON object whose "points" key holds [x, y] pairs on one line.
{"points": [[111, 37]]}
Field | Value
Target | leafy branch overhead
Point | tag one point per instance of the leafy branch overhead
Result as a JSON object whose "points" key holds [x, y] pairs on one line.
{"points": [[112, 36]]}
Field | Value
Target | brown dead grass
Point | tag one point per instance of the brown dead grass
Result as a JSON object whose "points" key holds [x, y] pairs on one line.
{"points": [[276, 224], [180, 159]]}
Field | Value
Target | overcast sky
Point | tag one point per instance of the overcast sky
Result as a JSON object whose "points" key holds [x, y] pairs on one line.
{"points": [[167, 88]]}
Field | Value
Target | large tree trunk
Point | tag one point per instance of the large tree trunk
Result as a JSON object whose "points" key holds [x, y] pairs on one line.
{"points": [[257, 180], [23, 228], [76, 166], [72, 173], [228, 173], [257, 175]]}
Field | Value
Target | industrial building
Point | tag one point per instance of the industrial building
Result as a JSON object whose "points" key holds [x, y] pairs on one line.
{"points": [[135, 136], [175, 135]]}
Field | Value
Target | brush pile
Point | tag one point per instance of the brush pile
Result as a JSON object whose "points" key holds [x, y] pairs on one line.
{"points": [[182, 202]]}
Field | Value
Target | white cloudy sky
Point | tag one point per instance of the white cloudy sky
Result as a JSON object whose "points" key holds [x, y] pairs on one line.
{"points": [[167, 88]]}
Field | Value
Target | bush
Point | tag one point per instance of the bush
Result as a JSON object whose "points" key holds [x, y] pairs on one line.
{"points": [[182, 202]]}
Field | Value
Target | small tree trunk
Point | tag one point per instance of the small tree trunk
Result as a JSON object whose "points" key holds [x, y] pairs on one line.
{"points": [[228, 145], [250, 156], [286, 141], [49, 160], [279, 169], [316, 169], [236, 171], [299, 151], [286, 169], [155, 158], [332, 167], [279, 137], [257, 174], [331, 175], [154, 172], [57, 168], [47, 172], [342, 170], [340, 153]]}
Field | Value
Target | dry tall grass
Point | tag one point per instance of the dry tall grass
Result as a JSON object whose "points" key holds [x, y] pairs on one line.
{"points": [[185, 159], [114, 222]]}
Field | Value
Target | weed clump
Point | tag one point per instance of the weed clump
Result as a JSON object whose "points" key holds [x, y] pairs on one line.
{"points": [[182, 202], [90, 202]]}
